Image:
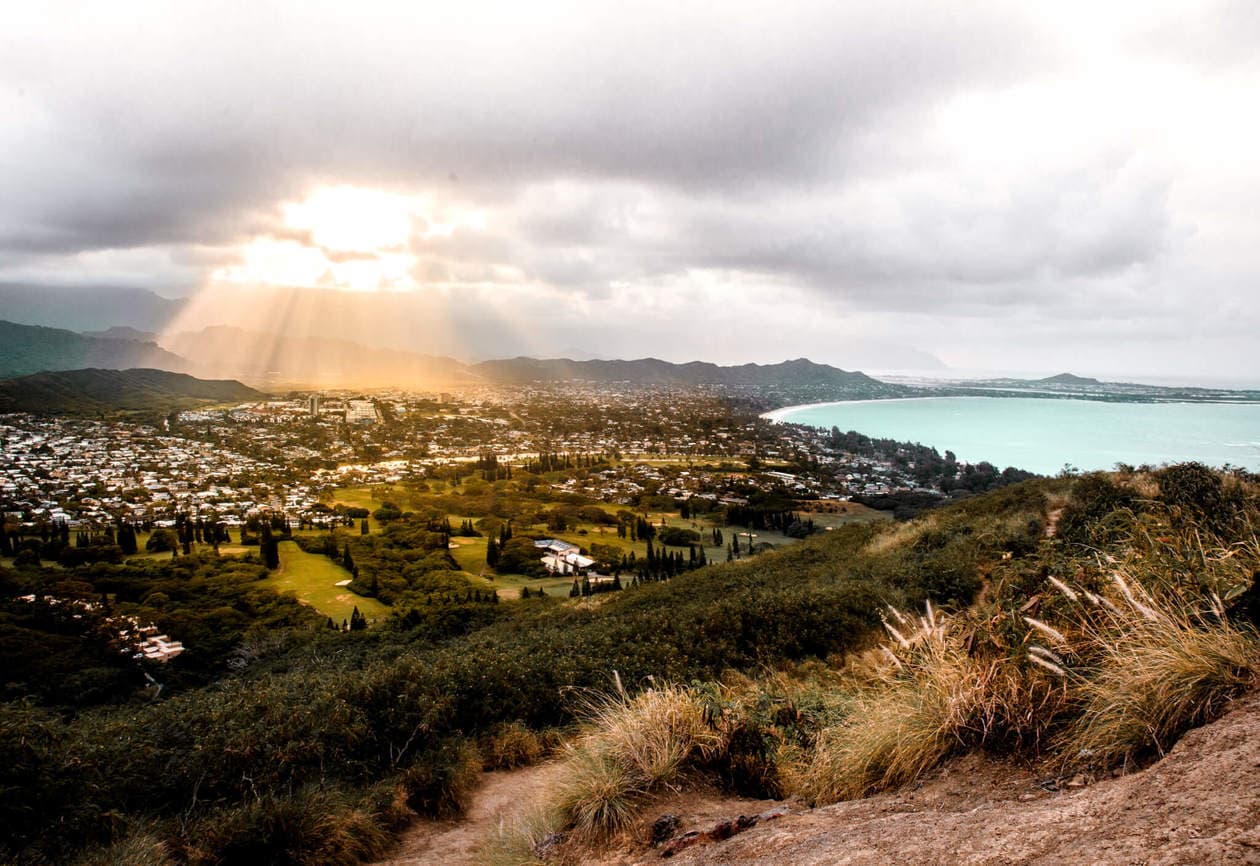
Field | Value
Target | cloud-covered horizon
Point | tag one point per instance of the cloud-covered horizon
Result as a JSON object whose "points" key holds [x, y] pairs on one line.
{"points": [[1010, 188]]}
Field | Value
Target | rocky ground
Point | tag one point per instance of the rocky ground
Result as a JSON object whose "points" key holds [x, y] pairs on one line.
{"points": [[1199, 805]]}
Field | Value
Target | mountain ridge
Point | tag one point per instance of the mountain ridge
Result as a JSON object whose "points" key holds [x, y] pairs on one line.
{"points": [[27, 349], [90, 391], [654, 371]]}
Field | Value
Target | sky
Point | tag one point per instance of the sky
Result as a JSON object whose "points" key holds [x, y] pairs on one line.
{"points": [[1000, 186]]}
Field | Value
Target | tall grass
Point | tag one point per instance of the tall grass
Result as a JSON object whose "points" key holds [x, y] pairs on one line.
{"points": [[137, 849], [629, 749], [933, 697], [1106, 675], [1152, 665]]}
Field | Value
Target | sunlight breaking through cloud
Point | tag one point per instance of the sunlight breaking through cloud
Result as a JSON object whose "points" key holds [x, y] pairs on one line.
{"points": [[348, 238]]}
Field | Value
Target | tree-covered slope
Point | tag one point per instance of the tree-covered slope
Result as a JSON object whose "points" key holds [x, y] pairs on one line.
{"points": [[26, 349], [93, 391]]}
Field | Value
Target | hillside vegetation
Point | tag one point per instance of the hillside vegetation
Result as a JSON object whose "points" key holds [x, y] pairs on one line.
{"points": [[316, 746], [84, 392], [1088, 652], [26, 349]]}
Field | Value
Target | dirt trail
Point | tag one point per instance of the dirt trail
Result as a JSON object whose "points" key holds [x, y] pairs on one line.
{"points": [[454, 843], [1199, 805]]}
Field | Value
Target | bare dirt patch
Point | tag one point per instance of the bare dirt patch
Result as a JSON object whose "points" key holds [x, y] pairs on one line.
{"points": [[455, 843]]}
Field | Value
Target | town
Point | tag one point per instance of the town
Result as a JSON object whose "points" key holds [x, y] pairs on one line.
{"points": [[287, 456]]}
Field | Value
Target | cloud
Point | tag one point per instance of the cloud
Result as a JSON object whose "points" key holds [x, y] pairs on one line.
{"points": [[886, 168]]}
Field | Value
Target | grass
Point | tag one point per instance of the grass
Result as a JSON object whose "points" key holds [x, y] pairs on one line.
{"points": [[313, 579], [628, 750], [931, 699], [1110, 678], [137, 849], [1152, 667]]}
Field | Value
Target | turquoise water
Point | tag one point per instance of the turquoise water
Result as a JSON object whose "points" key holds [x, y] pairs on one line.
{"points": [[1043, 435]]}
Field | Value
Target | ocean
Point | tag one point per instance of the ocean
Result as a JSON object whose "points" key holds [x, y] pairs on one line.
{"points": [[1044, 435]]}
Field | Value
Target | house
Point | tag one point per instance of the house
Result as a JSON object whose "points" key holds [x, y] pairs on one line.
{"points": [[555, 546], [572, 563]]}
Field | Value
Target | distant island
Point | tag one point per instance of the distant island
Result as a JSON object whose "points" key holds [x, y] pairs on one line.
{"points": [[1073, 387]]}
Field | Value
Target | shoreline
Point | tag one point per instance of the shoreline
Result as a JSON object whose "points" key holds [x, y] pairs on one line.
{"points": [[1043, 435], [776, 415]]}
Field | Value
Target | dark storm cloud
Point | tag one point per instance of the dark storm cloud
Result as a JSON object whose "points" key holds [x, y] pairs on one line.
{"points": [[148, 126], [888, 167]]}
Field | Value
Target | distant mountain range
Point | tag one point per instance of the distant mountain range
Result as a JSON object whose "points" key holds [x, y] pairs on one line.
{"points": [[414, 322], [123, 332], [80, 309], [26, 349], [261, 357], [225, 352], [89, 392], [651, 371]]}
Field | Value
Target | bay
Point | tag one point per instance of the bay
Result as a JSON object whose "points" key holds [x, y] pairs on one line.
{"points": [[1042, 435]]}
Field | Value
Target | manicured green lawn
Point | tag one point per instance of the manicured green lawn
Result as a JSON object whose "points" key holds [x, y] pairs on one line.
{"points": [[313, 578]]}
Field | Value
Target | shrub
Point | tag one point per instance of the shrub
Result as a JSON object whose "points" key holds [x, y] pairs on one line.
{"points": [[312, 827], [511, 745], [161, 541], [443, 784], [677, 536]]}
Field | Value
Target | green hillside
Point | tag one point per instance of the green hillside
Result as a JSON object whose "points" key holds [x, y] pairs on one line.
{"points": [[26, 349], [94, 391], [315, 745]]}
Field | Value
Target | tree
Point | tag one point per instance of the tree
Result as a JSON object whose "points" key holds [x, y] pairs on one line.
{"points": [[492, 553], [127, 539], [269, 549], [160, 541], [363, 526]]}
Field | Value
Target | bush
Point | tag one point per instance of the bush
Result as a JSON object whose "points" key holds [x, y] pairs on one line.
{"points": [[511, 745], [1094, 498], [443, 784], [161, 541], [677, 536], [312, 827]]}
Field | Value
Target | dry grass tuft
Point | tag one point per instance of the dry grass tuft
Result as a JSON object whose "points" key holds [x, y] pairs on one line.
{"points": [[633, 746], [519, 841], [933, 698], [1153, 667], [137, 849], [629, 749]]}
